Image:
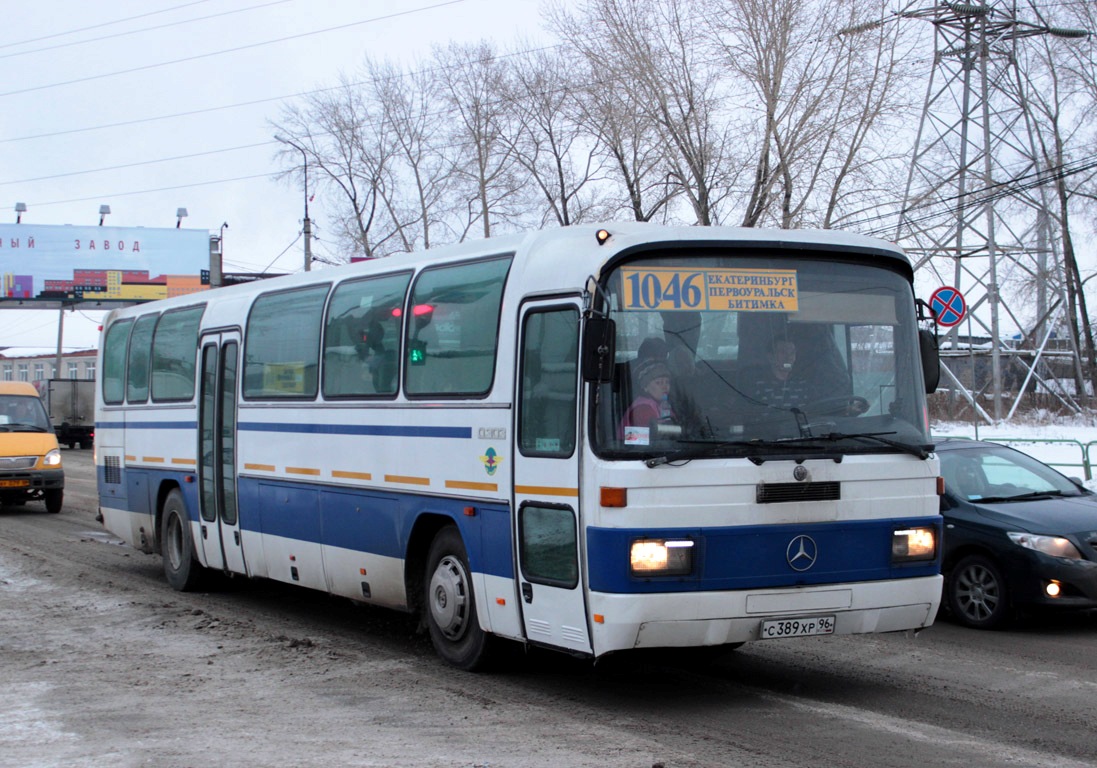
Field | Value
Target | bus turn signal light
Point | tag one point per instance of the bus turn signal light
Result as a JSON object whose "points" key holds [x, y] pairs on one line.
{"points": [[614, 497]]}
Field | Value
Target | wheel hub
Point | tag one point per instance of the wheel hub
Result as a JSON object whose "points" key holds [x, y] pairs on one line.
{"points": [[449, 597]]}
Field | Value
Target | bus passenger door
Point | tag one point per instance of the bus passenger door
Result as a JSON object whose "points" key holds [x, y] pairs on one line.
{"points": [[548, 520], [220, 522]]}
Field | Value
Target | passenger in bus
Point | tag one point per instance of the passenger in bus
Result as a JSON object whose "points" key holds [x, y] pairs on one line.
{"points": [[652, 403], [774, 384]]}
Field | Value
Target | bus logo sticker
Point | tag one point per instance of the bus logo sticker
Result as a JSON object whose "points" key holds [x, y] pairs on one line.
{"points": [[801, 553], [491, 461]]}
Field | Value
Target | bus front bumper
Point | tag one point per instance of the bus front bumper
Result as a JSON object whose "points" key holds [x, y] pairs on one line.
{"points": [[676, 620]]}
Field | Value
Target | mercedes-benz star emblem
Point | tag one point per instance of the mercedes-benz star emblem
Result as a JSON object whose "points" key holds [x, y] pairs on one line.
{"points": [[801, 553]]}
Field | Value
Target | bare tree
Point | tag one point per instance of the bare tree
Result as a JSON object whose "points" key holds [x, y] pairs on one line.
{"points": [[657, 56], [559, 158], [1062, 105], [419, 178], [483, 157], [349, 151], [812, 99]]}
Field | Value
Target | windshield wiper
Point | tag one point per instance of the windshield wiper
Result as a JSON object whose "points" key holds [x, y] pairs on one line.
{"points": [[711, 449], [705, 449], [921, 451], [1030, 496], [25, 428]]}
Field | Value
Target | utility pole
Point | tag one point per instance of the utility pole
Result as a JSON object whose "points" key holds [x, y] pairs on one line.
{"points": [[307, 224]]}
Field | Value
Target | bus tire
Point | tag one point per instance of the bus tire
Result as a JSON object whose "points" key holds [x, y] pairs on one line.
{"points": [[182, 571], [449, 603], [54, 499]]}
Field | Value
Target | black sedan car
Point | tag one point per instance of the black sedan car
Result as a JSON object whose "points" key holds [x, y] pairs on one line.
{"points": [[1018, 535]]}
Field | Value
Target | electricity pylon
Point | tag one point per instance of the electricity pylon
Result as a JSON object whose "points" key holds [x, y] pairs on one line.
{"points": [[974, 211]]}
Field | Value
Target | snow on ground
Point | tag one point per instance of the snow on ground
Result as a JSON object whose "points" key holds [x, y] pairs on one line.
{"points": [[1063, 443]]}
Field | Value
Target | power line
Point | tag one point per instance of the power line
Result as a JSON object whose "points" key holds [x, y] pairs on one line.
{"points": [[224, 51], [100, 26], [135, 31]]}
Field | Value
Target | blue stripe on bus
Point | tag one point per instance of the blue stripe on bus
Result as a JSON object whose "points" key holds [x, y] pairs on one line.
{"points": [[376, 430], [376, 522], [752, 557]]}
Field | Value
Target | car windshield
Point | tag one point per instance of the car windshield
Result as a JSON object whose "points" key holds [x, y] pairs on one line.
{"points": [[785, 353], [22, 412], [996, 473]]}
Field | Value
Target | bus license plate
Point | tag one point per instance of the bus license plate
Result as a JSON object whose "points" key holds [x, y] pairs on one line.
{"points": [[816, 625], [14, 483]]}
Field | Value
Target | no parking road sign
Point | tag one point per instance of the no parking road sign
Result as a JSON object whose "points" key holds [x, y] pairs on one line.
{"points": [[948, 306]]}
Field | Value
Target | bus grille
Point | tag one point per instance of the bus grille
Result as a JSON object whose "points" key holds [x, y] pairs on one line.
{"points": [[112, 470], [779, 493]]}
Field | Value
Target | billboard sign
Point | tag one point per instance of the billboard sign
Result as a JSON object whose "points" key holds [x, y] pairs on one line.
{"points": [[48, 264]]}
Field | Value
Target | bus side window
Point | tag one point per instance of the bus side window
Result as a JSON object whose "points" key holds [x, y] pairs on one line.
{"points": [[140, 354], [550, 371], [114, 362], [282, 344], [453, 331], [174, 353], [362, 337]]}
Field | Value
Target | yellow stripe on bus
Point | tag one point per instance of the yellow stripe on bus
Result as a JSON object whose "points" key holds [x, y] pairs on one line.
{"points": [[153, 459], [546, 490], [343, 474], [186, 462], [406, 480], [465, 485], [260, 467], [303, 471]]}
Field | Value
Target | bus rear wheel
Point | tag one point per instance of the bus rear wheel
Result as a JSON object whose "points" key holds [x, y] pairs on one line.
{"points": [[182, 571], [449, 603]]}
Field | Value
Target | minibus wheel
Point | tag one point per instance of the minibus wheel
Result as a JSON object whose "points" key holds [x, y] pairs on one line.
{"points": [[54, 499], [177, 546], [450, 604]]}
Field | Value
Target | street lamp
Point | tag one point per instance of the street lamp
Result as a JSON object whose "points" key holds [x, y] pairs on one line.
{"points": [[307, 223], [180, 214], [103, 211], [20, 209]]}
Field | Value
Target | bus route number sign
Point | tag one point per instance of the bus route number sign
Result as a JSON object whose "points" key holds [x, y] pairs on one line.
{"points": [[719, 290]]}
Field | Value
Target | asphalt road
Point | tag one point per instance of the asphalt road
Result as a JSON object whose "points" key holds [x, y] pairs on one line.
{"points": [[102, 664]]}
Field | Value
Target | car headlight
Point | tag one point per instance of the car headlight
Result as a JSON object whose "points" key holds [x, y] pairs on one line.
{"points": [[52, 459], [1056, 546], [661, 557], [913, 545]]}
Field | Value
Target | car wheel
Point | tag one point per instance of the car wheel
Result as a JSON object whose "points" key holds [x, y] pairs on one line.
{"points": [[182, 571], [977, 594], [54, 499], [450, 604]]}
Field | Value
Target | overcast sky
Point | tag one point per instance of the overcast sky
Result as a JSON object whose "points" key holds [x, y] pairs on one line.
{"points": [[153, 105]]}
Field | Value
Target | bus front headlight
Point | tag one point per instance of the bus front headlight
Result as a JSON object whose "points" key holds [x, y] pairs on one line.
{"points": [[661, 557], [52, 459], [911, 545]]}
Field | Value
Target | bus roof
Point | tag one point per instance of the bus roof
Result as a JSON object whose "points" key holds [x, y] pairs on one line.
{"points": [[560, 260]]}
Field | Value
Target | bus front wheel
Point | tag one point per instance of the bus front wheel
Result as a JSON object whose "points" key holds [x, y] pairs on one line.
{"points": [[450, 604], [183, 573]]}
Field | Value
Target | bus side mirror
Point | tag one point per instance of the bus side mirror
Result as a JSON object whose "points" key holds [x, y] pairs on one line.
{"points": [[931, 360], [599, 339]]}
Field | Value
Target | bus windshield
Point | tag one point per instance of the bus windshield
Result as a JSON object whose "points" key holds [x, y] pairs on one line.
{"points": [[744, 354]]}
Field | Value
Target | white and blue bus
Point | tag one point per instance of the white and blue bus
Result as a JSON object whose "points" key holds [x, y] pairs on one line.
{"points": [[462, 433]]}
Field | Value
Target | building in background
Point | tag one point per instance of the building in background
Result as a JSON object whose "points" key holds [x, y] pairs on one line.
{"points": [[15, 366]]}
